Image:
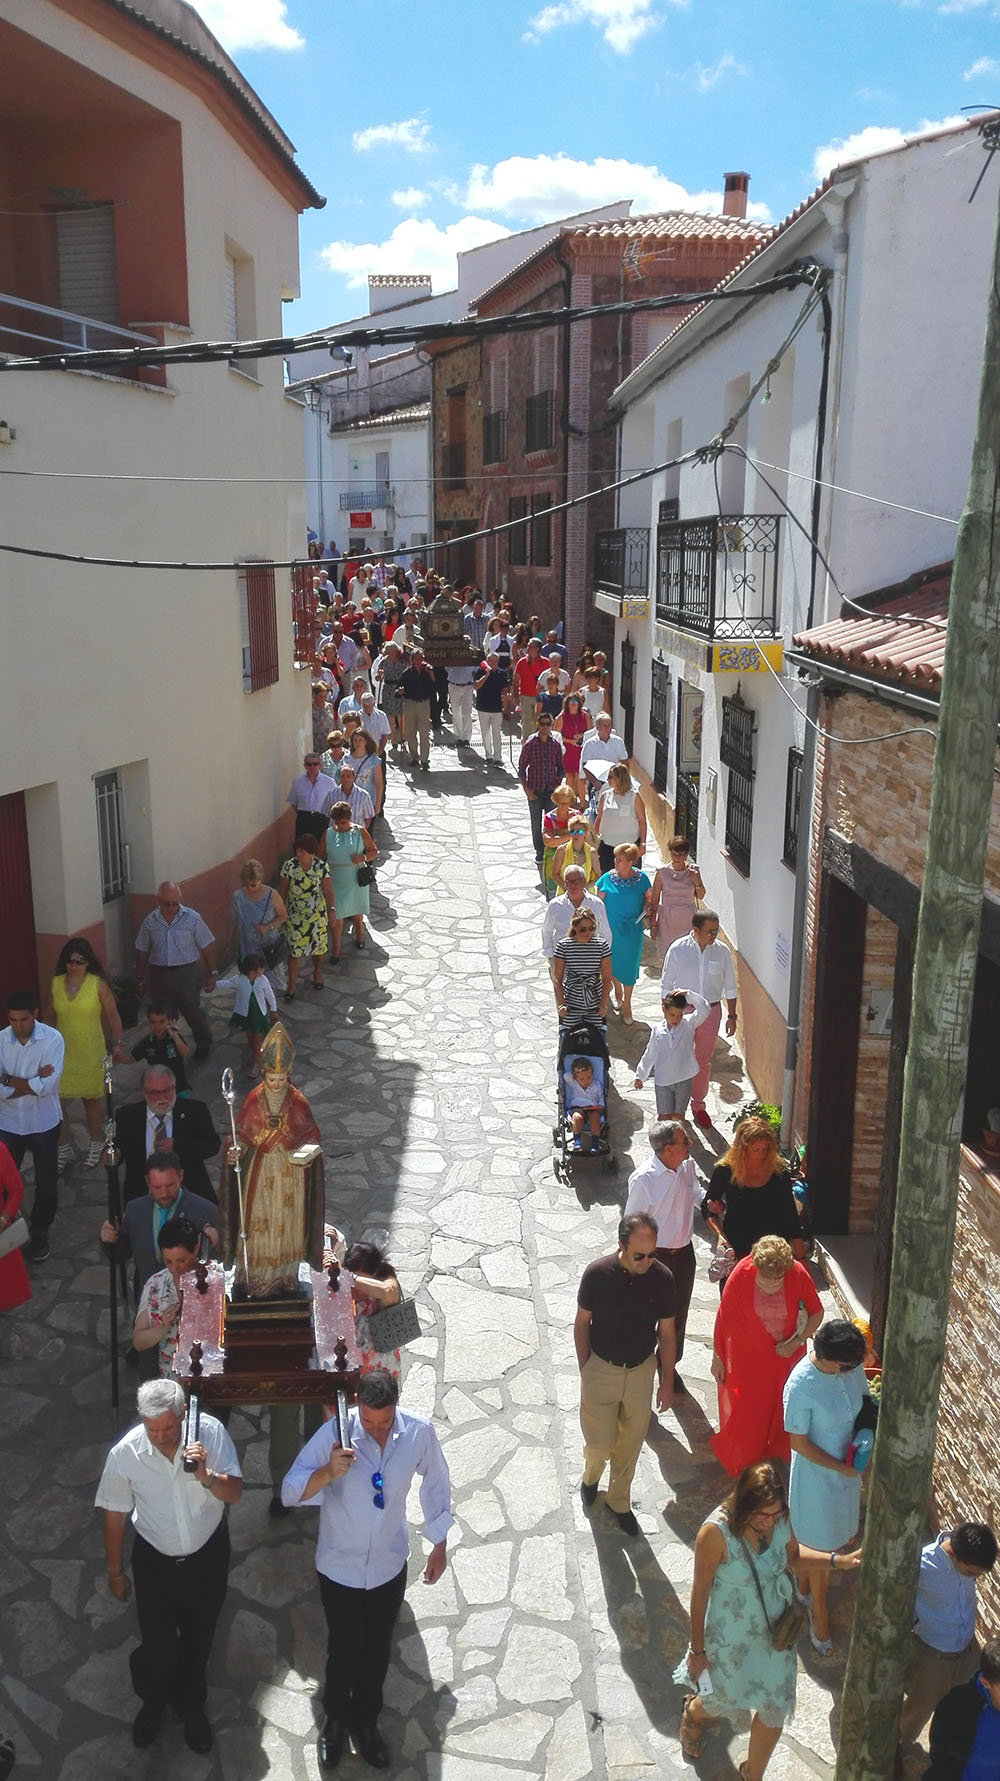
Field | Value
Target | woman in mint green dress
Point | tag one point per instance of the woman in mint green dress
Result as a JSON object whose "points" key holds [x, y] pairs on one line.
{"points": [[730, 1616]]}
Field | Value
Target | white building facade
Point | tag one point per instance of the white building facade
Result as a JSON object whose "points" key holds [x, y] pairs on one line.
{"points": [[152, 718], [710, 577]]}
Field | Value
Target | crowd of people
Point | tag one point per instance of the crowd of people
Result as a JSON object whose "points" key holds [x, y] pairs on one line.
{"points": [[792, 1387]]}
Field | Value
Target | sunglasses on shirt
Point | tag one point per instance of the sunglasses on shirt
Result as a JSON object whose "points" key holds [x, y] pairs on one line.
{"points": [[379, 1497]]}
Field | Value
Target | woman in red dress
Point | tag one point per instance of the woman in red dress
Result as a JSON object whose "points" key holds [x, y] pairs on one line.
{"points": [[768, 1310], [15, 1287]]}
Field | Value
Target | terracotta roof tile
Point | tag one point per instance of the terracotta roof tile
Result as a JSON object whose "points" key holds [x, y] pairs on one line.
{"points": [[879, 646]]}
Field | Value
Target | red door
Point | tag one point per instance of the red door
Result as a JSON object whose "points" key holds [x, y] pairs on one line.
{"points": [[18, 958]]}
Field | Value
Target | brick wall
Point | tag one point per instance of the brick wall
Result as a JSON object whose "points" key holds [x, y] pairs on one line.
{"points": [[461, 364], [872, 1078], [967, 1473]]}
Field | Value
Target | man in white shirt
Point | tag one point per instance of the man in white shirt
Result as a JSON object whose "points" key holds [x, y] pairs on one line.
{"points": [[362, 808], [312, 796], [374, 721], [352, 700], [363, 1546], [31, 1061], [601, 744], [667, 1188], [555, 662], [559, 913], [180, 1554], [700, 961]]}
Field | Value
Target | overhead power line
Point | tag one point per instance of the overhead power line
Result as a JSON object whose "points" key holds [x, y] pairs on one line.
{"points": [[199, 352]]}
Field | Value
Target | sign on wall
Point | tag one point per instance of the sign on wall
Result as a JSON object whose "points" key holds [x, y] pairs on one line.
{"points": [[361, 522], [635, 606], [745, 658]]}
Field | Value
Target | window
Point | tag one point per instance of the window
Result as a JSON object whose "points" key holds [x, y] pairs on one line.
{"points": [[541, 531], [87, 262], [453, 449], [108, 790], [539, 421], [258, 624], [659, 698], [793, 798], [241, 303], [736, 752], [495, 418], [517, 537]]}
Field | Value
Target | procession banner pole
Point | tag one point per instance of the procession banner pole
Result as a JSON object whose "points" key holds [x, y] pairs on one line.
{"points": [[229, 1096], [115, 1218]]}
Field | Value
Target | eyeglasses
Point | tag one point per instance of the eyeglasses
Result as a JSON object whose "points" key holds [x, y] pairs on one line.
{"points": [[644, 1255], [75, 959], [771, 1514], [846, 1366], [379, 1497]]}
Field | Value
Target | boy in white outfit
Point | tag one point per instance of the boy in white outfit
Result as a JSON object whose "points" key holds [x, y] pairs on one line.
{"points": [[669, 1056]]}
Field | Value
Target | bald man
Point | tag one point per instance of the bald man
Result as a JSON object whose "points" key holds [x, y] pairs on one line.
{"points": [[171, 948]]}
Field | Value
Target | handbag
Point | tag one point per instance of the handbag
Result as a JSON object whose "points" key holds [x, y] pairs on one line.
{"points": [[393, 1325], [274, 948], [14, 1237], [787, 1630], [366, 874]]}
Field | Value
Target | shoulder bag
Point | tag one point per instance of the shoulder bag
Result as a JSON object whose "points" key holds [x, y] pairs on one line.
{"points": [[272, 946], [393, 1325], [787, 1630], [14, 1237]]}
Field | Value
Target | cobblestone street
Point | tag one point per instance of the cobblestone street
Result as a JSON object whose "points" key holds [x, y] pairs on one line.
{"points": [[548, 1646]]}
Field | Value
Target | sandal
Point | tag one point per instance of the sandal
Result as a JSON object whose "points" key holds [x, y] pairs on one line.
{"points": [[744, 1771], [95, 1154], [289, 995], [318, 983], [690, 1730]]}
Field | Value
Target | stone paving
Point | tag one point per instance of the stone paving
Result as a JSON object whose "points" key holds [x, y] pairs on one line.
{"points": [[547, 1648]]}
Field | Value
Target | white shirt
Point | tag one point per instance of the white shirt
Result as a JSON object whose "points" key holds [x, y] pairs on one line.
{"points": [[594, 748], [26, 1115], [376, 723], [710, 972], [668, 1195], [560, 912], [317, 797], [361, 1546], [167, 1505], [669, 1056]]}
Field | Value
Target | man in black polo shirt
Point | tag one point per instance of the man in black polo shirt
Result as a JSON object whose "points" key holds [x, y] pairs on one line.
{"points": [[625, 1318]]}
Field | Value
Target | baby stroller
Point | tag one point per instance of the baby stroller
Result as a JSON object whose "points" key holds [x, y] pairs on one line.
{"points": [[578, 1039]]}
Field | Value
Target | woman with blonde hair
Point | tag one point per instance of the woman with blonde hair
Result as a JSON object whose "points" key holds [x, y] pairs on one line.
{"points": [[742, 1586], [750, 1190], [766, 1315]]}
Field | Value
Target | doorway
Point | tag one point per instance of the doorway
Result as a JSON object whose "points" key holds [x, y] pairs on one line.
{"points": [[626, 693], [18, 957], [690, 702]]}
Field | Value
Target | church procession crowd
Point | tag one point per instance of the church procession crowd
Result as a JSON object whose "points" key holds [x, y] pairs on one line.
{"points": [[795, 1414]]}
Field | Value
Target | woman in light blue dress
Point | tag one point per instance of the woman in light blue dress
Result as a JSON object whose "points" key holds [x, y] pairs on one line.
{"points": [[822, 1397], [626, 895], [347, 848], [742, 1586]]}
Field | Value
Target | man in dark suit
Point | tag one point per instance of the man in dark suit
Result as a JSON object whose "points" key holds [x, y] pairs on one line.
{"points": [[160, 1123], [166, 1197]]}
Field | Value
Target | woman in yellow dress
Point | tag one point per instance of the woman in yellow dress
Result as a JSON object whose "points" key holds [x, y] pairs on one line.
{"points": [[83, 1007]]}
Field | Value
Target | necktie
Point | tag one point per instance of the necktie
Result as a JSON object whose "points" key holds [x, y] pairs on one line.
{"points": [[160, 1140]]}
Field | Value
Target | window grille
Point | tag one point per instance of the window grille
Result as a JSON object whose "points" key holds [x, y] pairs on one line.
{"points": [[793, 800]]}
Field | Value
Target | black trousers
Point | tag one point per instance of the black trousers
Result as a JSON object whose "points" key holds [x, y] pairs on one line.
{"points": [[360, 1623], [439, 697], [178, 1601], [310, 822], [44, 1147], [683, 1267]]}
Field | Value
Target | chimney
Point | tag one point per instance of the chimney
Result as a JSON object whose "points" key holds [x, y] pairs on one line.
{"points": [[734, 202]]}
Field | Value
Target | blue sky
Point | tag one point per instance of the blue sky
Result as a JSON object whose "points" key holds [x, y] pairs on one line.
{"points": [[435, 126]]}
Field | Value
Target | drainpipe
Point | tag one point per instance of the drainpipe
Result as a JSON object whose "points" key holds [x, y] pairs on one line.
{"points": [[792, 1027], [564, 417], [834, 209]]}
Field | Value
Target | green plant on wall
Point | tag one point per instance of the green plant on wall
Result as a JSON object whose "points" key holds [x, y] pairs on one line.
{"points": [[757, 1110]]}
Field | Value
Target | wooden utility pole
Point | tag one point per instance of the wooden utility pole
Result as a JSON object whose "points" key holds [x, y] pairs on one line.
{"points": [[933, 1093]]}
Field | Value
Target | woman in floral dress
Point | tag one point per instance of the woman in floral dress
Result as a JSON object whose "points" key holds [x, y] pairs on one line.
{"points": [[307, 895]]}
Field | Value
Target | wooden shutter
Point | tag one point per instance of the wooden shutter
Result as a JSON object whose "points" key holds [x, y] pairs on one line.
{"points": [[17, 930], [88, 265], [261, 646]]}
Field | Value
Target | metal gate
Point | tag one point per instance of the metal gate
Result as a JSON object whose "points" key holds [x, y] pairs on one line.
{"points": [[686, 809], [18, 961], [115, 871], [626, 691]]}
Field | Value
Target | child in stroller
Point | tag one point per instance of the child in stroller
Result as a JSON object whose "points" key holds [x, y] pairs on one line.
{"points": [[584, 1095], [582, 1078]]}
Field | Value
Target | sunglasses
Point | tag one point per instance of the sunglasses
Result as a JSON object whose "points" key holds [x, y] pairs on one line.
{"points": [[75, 959], [379, 1497], [644, 1255]]}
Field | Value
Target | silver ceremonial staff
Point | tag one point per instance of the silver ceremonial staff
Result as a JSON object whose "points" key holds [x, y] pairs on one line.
{"points": [[229, 1095]]}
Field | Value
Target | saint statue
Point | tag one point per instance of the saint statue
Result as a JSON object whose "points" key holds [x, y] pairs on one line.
{"points": [[281, 1166]]}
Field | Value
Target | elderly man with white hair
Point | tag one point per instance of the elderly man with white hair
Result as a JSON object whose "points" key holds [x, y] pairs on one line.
{"points": [[173, 1485], [172, 948], [601, 744], [559, 913]]}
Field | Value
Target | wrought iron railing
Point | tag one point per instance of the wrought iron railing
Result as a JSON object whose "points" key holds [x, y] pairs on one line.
{"points": [[495, 437], [453, 464], [539, 421], [37, 328], [379, 494], [621, 559], [686, 809], [719, 575]]}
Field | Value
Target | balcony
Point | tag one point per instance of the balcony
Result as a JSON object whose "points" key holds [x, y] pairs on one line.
{"points": [[495, 437], [27, 329], [363, 500], [539, 421], [621, 567], [453, 464], [717, 576]]}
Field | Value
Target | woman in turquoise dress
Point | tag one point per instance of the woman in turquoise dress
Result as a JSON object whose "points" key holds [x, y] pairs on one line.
{"points": [[306, 894], [746, 1542], [822, 1397], [626, 895], [347, 847]]}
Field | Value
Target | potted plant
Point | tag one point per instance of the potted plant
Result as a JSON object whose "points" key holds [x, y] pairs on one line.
{"points": [[758, 1110]]}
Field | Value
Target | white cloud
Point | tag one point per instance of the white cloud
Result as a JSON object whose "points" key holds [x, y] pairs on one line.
{"points": [[874, 139], [621, 22], [250, 24], [410, 198], [707, 78], [411, 134], [540, 188], [985, 65], [415, 245]]}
